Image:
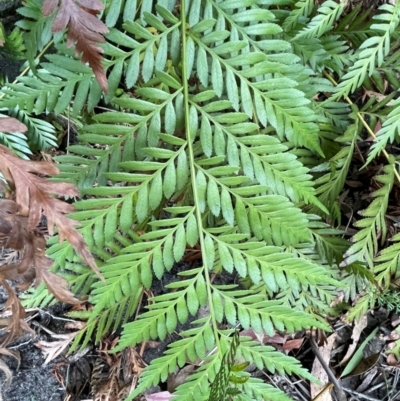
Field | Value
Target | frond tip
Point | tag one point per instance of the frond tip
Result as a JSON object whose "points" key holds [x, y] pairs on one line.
{"points": [[85, 30], [372, 51]]}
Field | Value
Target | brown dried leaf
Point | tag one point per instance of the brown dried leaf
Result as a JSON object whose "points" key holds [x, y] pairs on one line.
{"points": [[178, 378], [16, 321], [57, 285], [75, 325], [275, 339], [10, 124], [357, 330], [6, 370], [4, 367], [52, 349], [132, 364], [290, 345], [13, 233], [365, 365], [85, 30], [34, 198]]}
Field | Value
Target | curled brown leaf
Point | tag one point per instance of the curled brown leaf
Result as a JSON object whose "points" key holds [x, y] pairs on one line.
{"points": [[3, 367], [34, 198]]}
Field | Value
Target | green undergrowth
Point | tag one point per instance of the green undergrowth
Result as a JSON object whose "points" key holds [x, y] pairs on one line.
{"points": [[228, 129]]}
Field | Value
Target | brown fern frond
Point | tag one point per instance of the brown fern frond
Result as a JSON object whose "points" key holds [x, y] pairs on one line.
{"points": [[85, 30]]}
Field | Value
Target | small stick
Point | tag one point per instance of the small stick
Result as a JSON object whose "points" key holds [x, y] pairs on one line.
{"points": [[338, 388], [359, 394]]}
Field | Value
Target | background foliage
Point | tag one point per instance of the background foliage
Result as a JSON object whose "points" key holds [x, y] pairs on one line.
{"points": [[227, 131]]}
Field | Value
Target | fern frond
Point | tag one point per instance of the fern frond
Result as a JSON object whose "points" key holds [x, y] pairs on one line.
{"points": [[201, 152], [330, 185], [386, 264], [259, 98], [199, 381], [388, 132], [355, 26], [373, 225], [54, 89], [338, 54], [14, 45], [390, 69], [302, 9], [220, 384], [329, 246], [251, 309], [274, 361], [278, 269], [311, 51], [41, 134], [336, 113], [194, 344], [257, 389], [356, 277], [328, 13], [36, 29], [372, 51], [17, 142], [167, 310], [361, 308], [128, 10]]}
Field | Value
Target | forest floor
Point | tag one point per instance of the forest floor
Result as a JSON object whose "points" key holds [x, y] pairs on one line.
{"points": [[93, 375]]}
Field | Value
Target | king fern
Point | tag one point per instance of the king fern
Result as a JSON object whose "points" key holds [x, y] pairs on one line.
{"points": [[216, 121]]}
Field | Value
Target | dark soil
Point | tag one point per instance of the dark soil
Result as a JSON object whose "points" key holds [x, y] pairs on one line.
{"points": [[32, 381]]}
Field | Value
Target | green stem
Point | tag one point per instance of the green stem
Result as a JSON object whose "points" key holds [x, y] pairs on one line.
{"points": [[185, 79]]}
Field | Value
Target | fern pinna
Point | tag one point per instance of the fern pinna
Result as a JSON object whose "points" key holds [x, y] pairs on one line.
{"points": [[200, 151]]}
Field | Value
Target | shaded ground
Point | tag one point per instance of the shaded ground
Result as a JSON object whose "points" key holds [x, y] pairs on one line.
{"points": [[32, 381], [98, 371]]}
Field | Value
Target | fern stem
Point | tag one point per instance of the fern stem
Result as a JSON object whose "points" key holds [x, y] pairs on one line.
{"points": [[367, 127], [28, 68], [185, 80]]}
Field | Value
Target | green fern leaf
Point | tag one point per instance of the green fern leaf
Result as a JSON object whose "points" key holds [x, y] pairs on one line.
{"points": [[372, 51], [388, 132], [303, 9], [387, 262], [328, 13], [373, 225], [199, 157]]}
